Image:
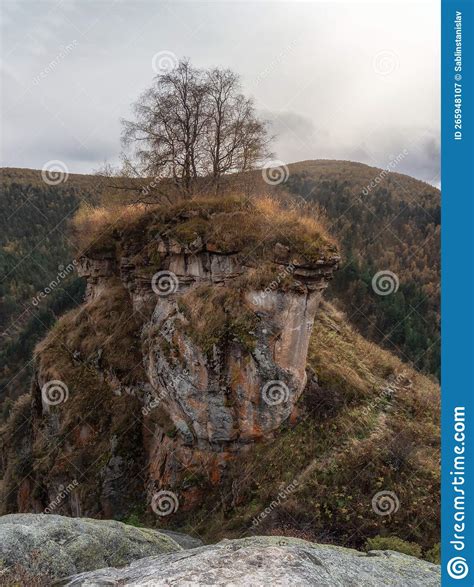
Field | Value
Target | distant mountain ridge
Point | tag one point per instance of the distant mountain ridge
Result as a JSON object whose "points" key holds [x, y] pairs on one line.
{"points": [[384, 222]]}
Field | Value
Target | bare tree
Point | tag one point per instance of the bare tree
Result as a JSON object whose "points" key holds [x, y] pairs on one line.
{"points": [[235, 140], [193, 124], [169, 122]]}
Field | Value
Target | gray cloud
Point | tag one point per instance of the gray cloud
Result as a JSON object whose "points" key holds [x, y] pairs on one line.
{"points": [[296, 136], [342, 80]]}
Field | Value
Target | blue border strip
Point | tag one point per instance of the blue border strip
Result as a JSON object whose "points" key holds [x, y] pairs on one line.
{"points": [[457, 269]]}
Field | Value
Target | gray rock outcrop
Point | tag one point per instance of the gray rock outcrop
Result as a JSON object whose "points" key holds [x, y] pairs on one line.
{"points": [[57, 546], [269, 561]]}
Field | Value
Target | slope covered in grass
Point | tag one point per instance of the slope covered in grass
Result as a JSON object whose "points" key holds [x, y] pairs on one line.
{"points": [[367, 423], [384, 221]]}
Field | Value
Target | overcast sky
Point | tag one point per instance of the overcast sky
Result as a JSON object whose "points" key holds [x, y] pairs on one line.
{"points": [[338, 80]]}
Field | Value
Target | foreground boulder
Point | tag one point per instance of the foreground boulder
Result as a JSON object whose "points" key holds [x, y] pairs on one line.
{"points": [[269, 561], [184, 540], [41, 545]]}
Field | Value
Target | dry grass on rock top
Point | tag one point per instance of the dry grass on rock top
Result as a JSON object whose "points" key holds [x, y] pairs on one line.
{"points": [[227, 224]]}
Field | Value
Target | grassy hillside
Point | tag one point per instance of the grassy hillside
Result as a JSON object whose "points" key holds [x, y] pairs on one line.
{"points": [[383, 221], [368, 423]]}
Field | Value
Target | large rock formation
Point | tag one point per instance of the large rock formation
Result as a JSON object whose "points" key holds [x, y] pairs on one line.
{"points": [[194, 336], [51, 546], [269, 561], [212, 380], [49, 549]]}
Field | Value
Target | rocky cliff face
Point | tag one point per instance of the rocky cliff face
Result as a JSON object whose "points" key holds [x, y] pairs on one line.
{"points": [[190, 346], [214, 391]]}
